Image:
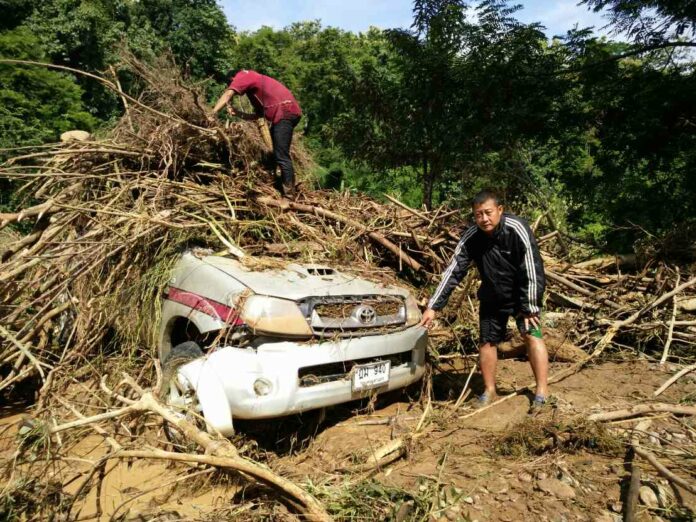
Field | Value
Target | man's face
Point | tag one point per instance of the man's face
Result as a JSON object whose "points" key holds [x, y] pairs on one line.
{"points": [[487, 215]]}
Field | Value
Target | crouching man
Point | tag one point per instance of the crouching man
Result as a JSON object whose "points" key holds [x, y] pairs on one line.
{"points": [[512, 273]]}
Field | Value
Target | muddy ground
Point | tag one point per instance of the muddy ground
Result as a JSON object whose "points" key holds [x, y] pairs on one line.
{"points": [[460, 470]]}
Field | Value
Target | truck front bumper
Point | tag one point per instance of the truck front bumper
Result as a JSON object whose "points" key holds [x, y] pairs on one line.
{"points": [[277, 378]]}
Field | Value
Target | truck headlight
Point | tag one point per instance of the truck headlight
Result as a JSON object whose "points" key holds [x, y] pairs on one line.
{"points": [[413, 314], [274, 316]]}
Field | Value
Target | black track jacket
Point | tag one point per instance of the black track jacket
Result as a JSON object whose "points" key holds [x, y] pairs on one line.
{"points": [[511, 268]]}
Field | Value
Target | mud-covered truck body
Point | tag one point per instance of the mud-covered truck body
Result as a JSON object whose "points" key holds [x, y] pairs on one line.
{"points": [[251, 341]]}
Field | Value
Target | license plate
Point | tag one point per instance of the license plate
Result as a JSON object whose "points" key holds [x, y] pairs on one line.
{"points": [[373, 375]]}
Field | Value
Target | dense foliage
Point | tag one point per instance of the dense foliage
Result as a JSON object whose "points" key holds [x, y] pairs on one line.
{"points": [[602, 133]]}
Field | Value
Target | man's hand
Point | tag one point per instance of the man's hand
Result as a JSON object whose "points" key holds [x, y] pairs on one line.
{"points": [[428, 318], [231, 111], [531, 322]]}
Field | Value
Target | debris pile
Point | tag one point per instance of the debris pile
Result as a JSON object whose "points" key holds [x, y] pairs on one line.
{"points": [[84, 262]]}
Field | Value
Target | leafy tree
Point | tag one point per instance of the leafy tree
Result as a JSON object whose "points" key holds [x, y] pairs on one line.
{"points": [[650, 21], [87, 34], [36, 104], [14, 12]]}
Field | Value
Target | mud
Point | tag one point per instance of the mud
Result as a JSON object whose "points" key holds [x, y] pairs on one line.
{"points": [[456, 463]]}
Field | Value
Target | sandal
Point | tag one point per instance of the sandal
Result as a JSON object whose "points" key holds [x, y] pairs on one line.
{"points": [[538, 405], [483, 400]]}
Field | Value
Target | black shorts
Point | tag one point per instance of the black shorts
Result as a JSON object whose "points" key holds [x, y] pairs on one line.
{"points": [[493, 323]]}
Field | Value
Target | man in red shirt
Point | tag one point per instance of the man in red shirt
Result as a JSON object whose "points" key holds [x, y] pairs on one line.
{"points": [[271, 99]]}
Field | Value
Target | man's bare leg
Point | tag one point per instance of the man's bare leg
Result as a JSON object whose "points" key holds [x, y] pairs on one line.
{"points": [[539, 359], [488, 359]]}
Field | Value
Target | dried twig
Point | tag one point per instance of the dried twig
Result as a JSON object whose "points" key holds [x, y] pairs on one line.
{"points": [[669, 382]]}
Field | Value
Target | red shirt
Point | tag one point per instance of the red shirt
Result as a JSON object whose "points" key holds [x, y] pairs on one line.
{"points": [[268, 96]]}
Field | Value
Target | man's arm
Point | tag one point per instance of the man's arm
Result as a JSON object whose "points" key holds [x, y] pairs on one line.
{"points": [[457, 269], [226, 100], [223, 100], [531, 270]]}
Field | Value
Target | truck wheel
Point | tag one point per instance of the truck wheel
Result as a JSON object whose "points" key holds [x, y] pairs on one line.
{"points": [[179, 395]]}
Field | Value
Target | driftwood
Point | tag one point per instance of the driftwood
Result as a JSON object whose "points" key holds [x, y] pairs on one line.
{"points": [[669, 382], [687, 304], [219, 452], [670, 331], [630, 507], [375, 236], [603, 262], [641, 409], [559, 349], [662, 469]]}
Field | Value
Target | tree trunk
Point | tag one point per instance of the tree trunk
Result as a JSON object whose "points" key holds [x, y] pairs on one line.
{"points": [[427, 186]]}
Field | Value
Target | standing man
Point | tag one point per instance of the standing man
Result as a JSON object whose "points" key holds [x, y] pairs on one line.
{"points": [[271, 99], [512, 273]]}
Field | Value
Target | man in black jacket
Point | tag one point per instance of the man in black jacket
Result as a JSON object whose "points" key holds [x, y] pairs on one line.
{"points": [[512, 273]]}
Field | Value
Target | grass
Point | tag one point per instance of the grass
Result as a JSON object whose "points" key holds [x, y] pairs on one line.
{"points": [[369, 500], [534, 437]]}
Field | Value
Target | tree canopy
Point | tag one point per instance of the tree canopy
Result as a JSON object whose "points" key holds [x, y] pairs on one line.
{"points": [[601, 132]]}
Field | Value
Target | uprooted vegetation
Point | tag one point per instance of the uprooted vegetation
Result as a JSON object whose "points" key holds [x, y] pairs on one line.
{"points": [[89, 255], [532, 437]]}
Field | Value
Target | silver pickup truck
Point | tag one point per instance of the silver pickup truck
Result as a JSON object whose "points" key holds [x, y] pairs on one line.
{"points": [[248, 341]]}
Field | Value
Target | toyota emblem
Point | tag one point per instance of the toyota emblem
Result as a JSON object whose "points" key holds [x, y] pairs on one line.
{"points": [[366, 314]]}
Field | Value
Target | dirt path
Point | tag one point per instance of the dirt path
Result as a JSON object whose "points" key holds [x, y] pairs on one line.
{"points": [[454, 470]]}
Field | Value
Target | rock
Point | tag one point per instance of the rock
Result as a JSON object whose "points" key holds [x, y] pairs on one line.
{"points": [[664, 497], [556, 488], [653, 439], [614, 469], [498, 486], [404, 512], [567, 478], [540, 475], [468, 500], [75, 135], [525, 477], [604, 516], [647, 497], [615, 506]]}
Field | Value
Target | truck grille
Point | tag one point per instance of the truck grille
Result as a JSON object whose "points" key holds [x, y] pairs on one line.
{"points": [[347, 315], [321, 373]]}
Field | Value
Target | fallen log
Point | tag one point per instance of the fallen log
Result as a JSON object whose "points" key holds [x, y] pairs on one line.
{"points": [[603, 262], [687, 304], [670, 330], [219, 452], [559, 349], [641, 409], [375, 236], [577, 288], [662, 470]]}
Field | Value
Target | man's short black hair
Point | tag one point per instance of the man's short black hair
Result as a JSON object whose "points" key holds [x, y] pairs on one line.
{"points": [[225, 77], [484, 195]]}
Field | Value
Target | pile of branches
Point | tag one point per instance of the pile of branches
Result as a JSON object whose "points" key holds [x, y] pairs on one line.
{"points": [[85, 259]]}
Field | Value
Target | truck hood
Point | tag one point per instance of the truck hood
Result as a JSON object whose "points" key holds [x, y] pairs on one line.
{"points": [[295, 281]]}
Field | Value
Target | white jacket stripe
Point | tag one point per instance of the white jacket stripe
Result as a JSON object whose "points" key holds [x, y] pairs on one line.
{"points": [[453, 264], [529, 263]]}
